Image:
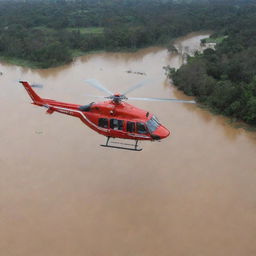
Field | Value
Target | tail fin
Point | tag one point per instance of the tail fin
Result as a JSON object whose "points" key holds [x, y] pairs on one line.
{"points": [[36, 99]]}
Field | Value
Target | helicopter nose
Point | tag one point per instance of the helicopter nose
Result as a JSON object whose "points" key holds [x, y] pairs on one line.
{"points": [[160, 133]]}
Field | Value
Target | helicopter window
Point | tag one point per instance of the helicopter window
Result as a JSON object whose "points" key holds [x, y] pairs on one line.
{"points": [[141, 128], [116, 124], [152, 124], [103, 122], [130, 127]]}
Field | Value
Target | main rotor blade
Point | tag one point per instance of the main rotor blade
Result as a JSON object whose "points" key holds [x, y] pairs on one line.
{"points": [[163, 99], [94, 96], [135, 87], [94, 83]]}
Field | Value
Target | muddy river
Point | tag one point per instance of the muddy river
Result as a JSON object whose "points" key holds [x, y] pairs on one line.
{"points": [[192, 194]]}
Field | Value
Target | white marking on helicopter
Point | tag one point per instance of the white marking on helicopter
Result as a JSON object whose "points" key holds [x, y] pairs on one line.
{"points": [[70, 111]]}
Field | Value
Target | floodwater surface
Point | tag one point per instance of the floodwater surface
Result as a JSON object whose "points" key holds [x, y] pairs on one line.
{"points": [[192, 194]]}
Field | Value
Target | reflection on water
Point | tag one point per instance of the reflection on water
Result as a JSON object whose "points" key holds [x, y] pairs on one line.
{"points": [[62, 194]]}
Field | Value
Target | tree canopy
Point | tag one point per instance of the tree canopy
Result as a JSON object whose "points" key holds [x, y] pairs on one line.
{"points": [[225, 79], [34, 29]]}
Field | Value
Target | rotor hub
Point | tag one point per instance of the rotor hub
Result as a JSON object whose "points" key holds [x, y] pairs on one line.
{"points": [[117, 97]]}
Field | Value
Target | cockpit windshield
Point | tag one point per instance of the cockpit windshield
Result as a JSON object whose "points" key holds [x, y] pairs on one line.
{"points": [[152, 124]]}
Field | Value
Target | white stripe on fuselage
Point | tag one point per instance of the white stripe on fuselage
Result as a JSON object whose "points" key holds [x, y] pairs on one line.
{"points": [[68, 111]]}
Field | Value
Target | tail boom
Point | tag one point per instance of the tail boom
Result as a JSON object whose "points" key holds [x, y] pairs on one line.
{"points": [[37, 100]]}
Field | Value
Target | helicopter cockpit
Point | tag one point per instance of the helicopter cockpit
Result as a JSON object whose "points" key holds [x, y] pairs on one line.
{"points": [[152, 124]]}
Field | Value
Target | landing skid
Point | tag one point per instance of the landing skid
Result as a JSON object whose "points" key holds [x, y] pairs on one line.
{"points": [[132, 147]]}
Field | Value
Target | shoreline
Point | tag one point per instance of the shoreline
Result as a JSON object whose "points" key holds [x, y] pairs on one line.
{"points": [[235, 123], [77, 53]]}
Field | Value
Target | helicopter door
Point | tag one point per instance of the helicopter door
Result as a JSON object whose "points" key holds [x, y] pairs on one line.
{"points": [[117, 128], [103, 122], [130, 127], [141, 128], [116, 124]]}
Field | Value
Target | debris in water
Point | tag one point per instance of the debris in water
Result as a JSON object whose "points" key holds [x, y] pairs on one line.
{"points": [[137, 73]]}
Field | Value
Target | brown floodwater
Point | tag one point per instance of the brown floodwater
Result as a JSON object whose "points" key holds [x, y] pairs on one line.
{"points": [[192, 194]]}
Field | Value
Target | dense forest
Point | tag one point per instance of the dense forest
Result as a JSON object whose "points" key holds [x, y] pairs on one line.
{"points": [[48, 33], [225, 79]]}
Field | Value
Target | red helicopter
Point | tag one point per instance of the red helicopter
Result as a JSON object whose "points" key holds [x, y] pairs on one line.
{"points": [[113, 118]]}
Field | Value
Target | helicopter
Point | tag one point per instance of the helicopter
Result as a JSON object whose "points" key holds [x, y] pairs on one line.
{"points": [[113, 118]]}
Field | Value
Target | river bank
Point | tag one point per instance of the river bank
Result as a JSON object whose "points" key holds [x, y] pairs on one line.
{"points": [[78, 53], [222, 79]]}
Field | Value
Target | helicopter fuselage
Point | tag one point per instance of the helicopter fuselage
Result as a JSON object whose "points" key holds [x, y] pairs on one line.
{"points": [[109, 118]]}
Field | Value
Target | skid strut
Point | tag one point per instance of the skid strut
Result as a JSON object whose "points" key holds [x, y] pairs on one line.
{"points": [[132, 147]]}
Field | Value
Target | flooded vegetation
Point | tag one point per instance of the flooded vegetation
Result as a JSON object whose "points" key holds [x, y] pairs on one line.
{"points": [[62, 194]]}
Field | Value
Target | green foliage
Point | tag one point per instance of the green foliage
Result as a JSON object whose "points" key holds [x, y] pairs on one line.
{"points": [[225, 79], [31, 29], [88, 30], [214, 39]]}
